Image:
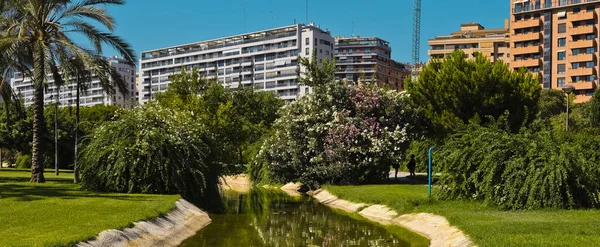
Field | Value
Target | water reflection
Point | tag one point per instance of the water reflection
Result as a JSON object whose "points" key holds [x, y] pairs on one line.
{"points": [[271, 218]]}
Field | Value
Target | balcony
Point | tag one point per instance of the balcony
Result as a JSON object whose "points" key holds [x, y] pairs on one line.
{"points": [[439, 52], [526, 24], [582, 30], [582, 85], [582, 57], [582, 16], [526, 63], [526, 37], [526, 50], [582, 72], [582, 44]]}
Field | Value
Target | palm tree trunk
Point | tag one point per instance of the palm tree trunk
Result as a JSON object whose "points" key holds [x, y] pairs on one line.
{"points": [[37, 167], [76, 168]]}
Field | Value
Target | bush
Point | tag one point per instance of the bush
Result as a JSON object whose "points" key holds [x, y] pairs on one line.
{"points": [[151, 150], [339, 135], [23, 161], [521, 171]]}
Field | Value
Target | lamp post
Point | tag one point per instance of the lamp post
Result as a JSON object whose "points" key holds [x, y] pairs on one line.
{"points": [[56, 172], [568, 89]]}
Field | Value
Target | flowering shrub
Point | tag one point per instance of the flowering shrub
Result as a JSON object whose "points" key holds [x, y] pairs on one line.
{"points": [[339, 135]]}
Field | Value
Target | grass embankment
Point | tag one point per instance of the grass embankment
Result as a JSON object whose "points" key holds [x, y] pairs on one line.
{"points": [[487, 226], [59, 213]]}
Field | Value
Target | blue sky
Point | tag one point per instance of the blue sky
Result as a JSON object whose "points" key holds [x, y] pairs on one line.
{"points": [[152, 24]]}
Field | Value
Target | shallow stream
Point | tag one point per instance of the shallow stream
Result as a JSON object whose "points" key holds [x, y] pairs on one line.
{"points": [[272, 218]]}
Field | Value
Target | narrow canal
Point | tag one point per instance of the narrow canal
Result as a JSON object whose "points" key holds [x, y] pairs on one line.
{"points": [[272, 218]]}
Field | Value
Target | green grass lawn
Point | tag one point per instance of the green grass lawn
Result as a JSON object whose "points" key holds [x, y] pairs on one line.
{"points": [[59, 213], [486, 226]]}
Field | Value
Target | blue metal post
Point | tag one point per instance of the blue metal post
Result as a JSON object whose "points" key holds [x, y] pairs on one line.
{"points": [[429, 174]]}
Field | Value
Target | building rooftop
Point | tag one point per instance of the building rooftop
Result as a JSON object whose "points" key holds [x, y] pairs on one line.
{"points": [[361, 41], [275, 33]]}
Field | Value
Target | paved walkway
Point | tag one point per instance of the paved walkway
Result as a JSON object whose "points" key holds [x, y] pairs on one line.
{"points": [[404, 178]]}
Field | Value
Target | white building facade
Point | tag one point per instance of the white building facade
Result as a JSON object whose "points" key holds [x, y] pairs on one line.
{"points": [[266, 60], [95, 95]]}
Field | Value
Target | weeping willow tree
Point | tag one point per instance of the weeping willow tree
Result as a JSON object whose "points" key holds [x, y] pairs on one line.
{"points": [[521, 171], [153, 150]]}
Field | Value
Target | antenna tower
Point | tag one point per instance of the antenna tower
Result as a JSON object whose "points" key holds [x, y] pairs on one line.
{"points": [[416, 49]]}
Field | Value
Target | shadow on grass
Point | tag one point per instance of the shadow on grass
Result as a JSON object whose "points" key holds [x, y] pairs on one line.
{"points": [[26, 179], [417, 180], [31, 192]]}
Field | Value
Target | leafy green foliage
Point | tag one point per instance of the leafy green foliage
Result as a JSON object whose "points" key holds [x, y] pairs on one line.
{"points": [[236, 118], [316, 74], [551, 103], [594, 110], [23, 161], [152, 150], [521, 171], [454, 90]]}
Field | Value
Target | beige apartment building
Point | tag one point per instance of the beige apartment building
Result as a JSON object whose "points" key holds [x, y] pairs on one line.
{"points": [[559, 40], [473, 37]]}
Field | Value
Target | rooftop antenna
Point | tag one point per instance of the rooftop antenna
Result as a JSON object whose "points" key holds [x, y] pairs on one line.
{"points": [[306, 11], [244, 8]]}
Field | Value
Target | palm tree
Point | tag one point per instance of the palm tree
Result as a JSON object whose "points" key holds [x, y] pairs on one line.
{"points": [[39, 31]]}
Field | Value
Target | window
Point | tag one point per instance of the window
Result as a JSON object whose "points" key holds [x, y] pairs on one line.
{"points": [[536, 16], [590, 36], [316, 42], [576, 51], [562, 42], [590, 8], [517, 44], [576, 10], [321, 51], [536, 69], [518, 18], [562, 28], [576, 79], [336, 52], [536, 56], [561, 82], [307, 51], [591, 78], [561, 68], [561, 55], [575, 65], [590, 50], [536, 29], [589, 64], [307, 41]]}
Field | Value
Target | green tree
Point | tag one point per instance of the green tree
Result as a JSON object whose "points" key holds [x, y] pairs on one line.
{"points": [[551, 103], [454, 90], [236, 118], [36, 36], [595, 110], [316, 74]]}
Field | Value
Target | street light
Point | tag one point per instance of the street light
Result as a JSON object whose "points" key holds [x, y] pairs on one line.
{"points": [[568, 89], [55, 133]]}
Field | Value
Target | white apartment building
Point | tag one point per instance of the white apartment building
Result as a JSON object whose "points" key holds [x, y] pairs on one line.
{"points": [[266, 60], [95, 95]]}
